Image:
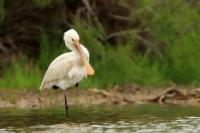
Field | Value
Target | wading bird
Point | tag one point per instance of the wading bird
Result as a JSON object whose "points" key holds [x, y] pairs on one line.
{"points": [[69, 68]]}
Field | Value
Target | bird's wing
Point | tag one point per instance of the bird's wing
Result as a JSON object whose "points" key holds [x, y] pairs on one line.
{"points": [[59, 58], [58, 69]]}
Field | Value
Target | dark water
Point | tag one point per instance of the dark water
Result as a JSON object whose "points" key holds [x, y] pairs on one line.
{"points": [[113, 119]]}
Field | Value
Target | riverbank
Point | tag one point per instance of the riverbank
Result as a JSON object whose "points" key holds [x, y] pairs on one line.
{"points": [[117, 96]]}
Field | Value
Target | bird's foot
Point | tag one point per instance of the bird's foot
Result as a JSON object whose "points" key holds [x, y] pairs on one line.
{"points": [[76, 85], [55, 87], [67, 111]]}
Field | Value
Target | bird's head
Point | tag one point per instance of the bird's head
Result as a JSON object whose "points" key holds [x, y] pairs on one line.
{"points": [[71, 37], [72, 41]]}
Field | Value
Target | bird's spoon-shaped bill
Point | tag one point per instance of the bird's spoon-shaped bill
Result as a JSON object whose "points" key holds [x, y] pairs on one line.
{"points": [[88, 67]]}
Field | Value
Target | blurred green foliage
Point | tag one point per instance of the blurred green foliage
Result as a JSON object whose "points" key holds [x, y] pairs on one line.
{"points": [[171, 53], [21, 75], [176, 25], [1, 10], [46, 3]]}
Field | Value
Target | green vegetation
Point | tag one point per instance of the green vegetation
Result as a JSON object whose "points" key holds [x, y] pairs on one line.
{"points": [[168, 53], [21, 75]]}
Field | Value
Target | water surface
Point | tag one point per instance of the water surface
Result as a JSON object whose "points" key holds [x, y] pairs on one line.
{"points": [[109, 119]]}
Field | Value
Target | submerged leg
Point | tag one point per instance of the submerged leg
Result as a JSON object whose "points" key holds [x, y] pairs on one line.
{"points": [[66, 106]]}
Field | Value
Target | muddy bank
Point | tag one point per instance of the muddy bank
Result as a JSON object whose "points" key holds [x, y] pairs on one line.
{"points": [[119, 96]]}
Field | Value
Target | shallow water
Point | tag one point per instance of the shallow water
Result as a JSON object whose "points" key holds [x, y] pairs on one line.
{"points": [[109, 119]]}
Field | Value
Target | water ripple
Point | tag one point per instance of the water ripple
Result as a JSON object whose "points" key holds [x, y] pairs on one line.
{"points": [[143, 119], [178, 125]]}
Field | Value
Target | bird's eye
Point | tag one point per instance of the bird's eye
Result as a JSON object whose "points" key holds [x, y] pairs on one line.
{"points": [[73, 40]]}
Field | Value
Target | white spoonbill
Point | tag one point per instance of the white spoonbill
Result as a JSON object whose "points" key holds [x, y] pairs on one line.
{"points": [[69, 68]]}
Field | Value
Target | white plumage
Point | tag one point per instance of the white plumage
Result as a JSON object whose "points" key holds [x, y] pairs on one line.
{"points": [[69, 68]]}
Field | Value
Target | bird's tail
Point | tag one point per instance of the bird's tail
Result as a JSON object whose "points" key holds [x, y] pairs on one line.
{"points": [[41, 86]]}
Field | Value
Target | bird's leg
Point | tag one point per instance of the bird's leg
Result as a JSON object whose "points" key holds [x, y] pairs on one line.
{"points": [[66, 106]]}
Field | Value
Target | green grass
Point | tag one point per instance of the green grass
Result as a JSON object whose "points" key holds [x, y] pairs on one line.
{"points": [[21, 75], [173, 29]]}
